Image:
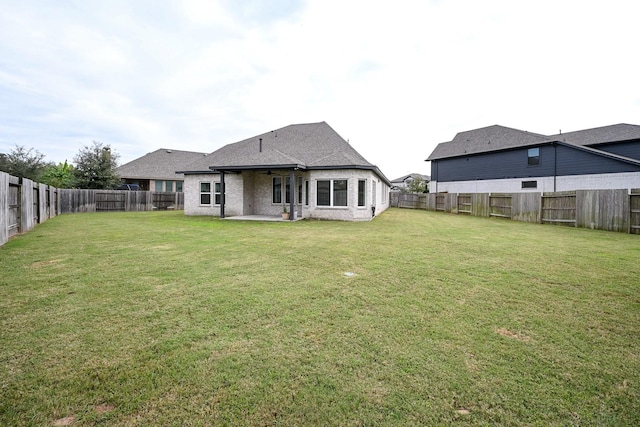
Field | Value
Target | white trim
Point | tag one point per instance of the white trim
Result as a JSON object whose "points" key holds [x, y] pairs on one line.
{"points": [[200, 193], [331, 204]]}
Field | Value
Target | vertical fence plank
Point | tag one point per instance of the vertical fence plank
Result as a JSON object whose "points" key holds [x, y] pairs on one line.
{"points": [[526, 207], [480, 204], [603, 209], [4, 208], [26, 201], [634, 211], [43, 213]]}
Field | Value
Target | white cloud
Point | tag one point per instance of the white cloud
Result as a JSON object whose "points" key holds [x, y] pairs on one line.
{"points": [[393, 78]]}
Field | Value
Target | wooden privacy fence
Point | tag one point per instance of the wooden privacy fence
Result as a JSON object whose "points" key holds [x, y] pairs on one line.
{"points": [[611, 210], [24, 203], [73, 201]]}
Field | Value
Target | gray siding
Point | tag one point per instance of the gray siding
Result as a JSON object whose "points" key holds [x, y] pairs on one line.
{"points": [[498, 165], [513, 164], [576, 162], [627, 149]]}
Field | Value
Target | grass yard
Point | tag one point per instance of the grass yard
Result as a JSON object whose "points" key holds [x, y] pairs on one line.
{"points": [[155, 318]]}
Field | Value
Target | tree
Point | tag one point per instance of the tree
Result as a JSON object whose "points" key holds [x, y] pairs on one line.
{"points": [[417, 185], [96, 167], [4, 163], [24, 163], [59, 176]]}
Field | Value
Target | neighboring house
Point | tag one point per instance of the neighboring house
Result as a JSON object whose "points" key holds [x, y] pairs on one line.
{"points": [[307, 169], [400, 184], [501, 159], [156, 171]]}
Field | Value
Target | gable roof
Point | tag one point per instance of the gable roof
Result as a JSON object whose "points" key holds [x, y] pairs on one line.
{"points": [[600, 135], [491, 138], [159, 164], [402, 179], [494, 138], [304, 146]]}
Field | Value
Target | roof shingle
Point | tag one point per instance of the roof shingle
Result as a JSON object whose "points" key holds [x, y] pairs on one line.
{"points": [[159, 164]]}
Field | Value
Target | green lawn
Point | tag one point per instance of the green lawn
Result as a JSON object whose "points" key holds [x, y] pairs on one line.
{"points": [[154, 318]]}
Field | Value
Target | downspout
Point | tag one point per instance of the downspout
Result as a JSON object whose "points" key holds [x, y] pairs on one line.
{"points": [[292, 186], [435, 163], [222, 194]]}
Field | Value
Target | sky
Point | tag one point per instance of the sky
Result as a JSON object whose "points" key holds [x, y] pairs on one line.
{"points": [[394, 78]]}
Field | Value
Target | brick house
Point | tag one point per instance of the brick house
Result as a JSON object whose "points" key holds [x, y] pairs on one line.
{"points": [[307, 169]]}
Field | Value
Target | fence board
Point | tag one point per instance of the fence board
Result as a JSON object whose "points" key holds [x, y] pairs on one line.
{"points": [[603, 209], [14, 198], [464, 204], [559, 208], [43, 205], [440, 202], [526, 207], [27, 213], [110, 201], [4, 208], [634, 213], [500, 205], [480, 204], [431, 202], [75, 201]]}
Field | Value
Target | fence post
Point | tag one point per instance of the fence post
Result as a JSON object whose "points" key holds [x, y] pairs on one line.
{"points": [[4, 208]]}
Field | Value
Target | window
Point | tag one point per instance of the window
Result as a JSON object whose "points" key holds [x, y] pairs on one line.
{"points": [[306, 193], [287, 190], [299, 190], [323, 195], [205, 193], [276, 196], [529, 184], [332, 192], [179, 186], [339, 192], [216, 193], [362, 185], [533, 155], [158, 185], [169, 185]]}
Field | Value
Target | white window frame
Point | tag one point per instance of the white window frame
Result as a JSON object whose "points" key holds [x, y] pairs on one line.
{"points": [[210, 193], [331, 193], [364, 193]]}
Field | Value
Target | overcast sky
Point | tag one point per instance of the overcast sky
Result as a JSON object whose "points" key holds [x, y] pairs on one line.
{"points": [[394, 78]]}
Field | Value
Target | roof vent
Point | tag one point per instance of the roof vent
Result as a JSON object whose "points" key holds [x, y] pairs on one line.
{"points": [[261, 145], [169, 151]]}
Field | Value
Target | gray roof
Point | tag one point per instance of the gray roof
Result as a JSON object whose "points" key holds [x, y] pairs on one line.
{"points": [[494, 138], [491, 138], [160, 164], [411, 175], [305, 146], [600, 135]]}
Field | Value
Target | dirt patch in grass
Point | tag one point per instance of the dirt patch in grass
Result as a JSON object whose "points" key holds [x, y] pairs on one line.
{"points": [[507, 333], [38, 264], [105, 407], [66, 421]]}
